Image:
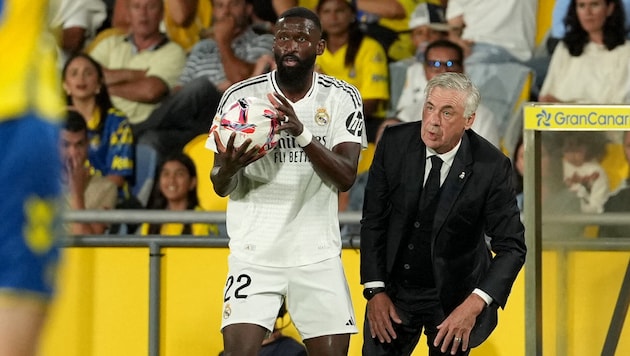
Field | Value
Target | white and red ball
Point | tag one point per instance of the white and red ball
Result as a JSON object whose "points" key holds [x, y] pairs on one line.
{"points": [[250, 118]]}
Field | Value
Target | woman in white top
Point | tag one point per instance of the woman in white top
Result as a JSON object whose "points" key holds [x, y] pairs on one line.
{"points": [[592, 63]]}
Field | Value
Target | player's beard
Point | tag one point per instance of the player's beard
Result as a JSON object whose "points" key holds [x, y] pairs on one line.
{"points": [[298, 73]]}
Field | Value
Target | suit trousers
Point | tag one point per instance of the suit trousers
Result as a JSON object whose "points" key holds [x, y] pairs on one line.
{"points": [[418, 308]]}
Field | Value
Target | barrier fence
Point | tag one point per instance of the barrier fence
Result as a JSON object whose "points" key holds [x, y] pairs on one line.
{"points": [[155, 243]]}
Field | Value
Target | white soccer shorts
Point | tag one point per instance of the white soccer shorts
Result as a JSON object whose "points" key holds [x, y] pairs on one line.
{"points": [[317, 296]]}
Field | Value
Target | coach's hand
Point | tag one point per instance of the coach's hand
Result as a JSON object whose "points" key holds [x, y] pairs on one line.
{"points": [[381, 313], [454, 331]]}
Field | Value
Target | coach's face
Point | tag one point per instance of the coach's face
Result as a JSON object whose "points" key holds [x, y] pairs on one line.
{"points": [[443, 121], [297, 44]]}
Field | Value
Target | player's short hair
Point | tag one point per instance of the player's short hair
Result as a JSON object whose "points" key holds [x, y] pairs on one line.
{"points": [[303, 13], [75, 122]]}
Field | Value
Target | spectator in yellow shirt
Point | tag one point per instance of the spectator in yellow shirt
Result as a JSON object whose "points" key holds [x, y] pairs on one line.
{"points": [[354, 58]]}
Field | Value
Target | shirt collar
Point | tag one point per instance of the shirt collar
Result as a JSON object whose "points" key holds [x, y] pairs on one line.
{"points": [[155, 47], [447, 157]]}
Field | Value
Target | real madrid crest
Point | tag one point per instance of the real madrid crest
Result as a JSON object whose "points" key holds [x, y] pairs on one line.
{"points": [[322, 117], [227, 311]]}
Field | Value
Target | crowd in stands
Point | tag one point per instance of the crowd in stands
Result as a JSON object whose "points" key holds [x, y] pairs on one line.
{"points": [[151, 73]]}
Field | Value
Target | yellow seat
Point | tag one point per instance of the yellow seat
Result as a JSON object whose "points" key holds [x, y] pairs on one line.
{"points": [[615, 165], [204, 160], [365, 160]]}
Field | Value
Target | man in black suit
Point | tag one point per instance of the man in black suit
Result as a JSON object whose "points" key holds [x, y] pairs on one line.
{"points": [[442, 257]]}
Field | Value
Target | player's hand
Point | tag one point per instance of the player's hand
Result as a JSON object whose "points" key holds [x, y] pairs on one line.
{"points": [[286, 115], [229, 160], [381, 313], [233, 159], [454, 331]]}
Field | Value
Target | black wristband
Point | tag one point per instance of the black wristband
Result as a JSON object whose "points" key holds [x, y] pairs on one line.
{"points": [[369, 293]]}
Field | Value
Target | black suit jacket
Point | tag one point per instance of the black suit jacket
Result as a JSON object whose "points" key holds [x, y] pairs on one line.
{"points": [[620, 202], [477, 198]]}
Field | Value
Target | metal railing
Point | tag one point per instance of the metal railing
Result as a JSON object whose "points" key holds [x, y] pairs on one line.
{"points": [[155, 243]]}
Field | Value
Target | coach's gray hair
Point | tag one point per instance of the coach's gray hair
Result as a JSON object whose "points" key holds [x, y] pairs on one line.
{"points": [[459, 82]]}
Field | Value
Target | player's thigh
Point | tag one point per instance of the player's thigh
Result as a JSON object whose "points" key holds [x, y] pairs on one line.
{"points": [[243, 339], [252, 294], [21, 322], [319, 300], [30, 190]]}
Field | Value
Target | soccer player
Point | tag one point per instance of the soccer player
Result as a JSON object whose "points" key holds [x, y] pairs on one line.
{"points": [[30, 167], [282, 212]]}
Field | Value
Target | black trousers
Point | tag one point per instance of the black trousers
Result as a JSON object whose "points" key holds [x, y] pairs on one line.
{"points": [[419, 309]]}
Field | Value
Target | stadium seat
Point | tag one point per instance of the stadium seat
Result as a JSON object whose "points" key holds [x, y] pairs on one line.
{"points": [[204, 160]]}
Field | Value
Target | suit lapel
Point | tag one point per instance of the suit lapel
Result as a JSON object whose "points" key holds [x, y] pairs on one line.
{"points": [[457, 177]]}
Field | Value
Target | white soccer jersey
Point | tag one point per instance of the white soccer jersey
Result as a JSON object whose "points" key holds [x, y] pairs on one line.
{"points": [[282, 213]]}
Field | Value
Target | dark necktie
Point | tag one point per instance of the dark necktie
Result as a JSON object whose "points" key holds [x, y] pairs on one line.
{"points": [[432, 186]]}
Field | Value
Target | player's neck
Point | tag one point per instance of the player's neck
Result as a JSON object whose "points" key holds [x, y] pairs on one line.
{"points": [[295, 89]]}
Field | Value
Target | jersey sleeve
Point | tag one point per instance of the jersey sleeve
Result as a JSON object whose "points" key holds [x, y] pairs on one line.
{"points": [[349, 124]]}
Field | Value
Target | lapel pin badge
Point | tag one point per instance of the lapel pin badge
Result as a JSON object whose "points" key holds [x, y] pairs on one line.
{"points": [[462, 175]]}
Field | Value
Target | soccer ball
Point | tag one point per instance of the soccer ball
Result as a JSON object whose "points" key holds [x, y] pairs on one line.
{"points": [[249, 117]]}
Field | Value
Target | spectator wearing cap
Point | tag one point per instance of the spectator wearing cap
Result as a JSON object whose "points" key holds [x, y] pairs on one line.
{"points": [[441, 56], [427, 23]]}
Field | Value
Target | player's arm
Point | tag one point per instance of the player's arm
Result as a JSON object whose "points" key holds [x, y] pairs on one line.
{"points": [[338, 167]]}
